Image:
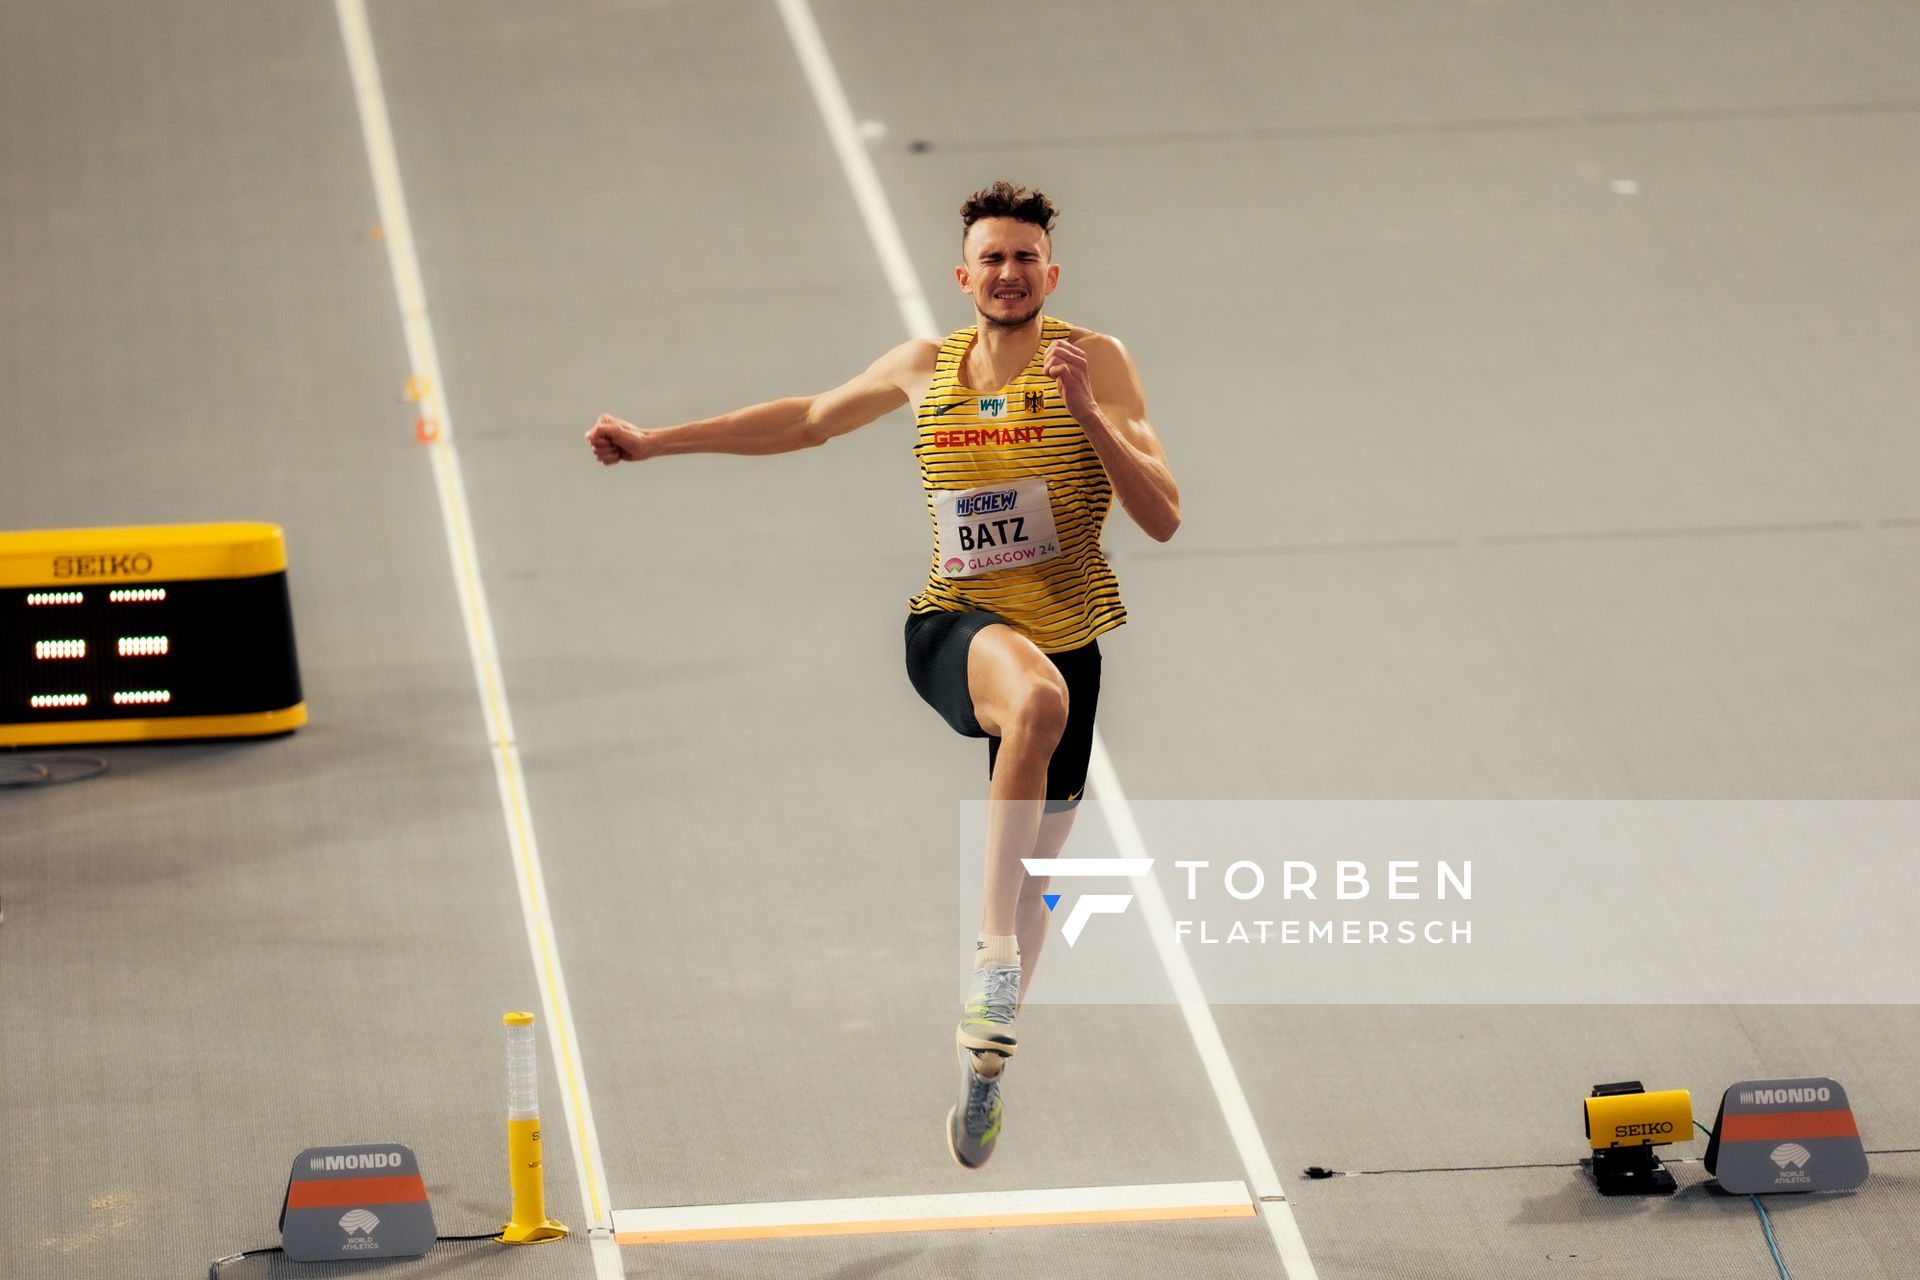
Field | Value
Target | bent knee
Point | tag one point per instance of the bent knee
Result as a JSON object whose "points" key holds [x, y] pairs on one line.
{"points": [[1039, 713]]}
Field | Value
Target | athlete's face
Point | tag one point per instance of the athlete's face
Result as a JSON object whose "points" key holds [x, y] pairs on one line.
{"points": [[1008, 270]]}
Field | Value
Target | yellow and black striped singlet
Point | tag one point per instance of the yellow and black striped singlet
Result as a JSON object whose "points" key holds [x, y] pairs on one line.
{"points": [[1059, 604]]}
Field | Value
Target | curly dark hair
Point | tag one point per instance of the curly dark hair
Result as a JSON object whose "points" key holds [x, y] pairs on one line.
{"points": [[1005, 200]]}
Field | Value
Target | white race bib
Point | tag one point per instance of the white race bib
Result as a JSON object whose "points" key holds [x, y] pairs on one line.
{"points": [[998, 526]]}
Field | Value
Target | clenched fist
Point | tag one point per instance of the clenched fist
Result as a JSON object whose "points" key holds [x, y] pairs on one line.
{"points": [[616, 441], [1066, 364]]}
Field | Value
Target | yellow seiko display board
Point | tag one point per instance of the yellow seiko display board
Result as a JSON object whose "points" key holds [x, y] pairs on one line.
{"points": [[129, 634]]}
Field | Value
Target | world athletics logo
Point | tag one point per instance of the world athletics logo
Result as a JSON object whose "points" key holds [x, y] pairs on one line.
{"points": [[1791, 1153], [359, 1220], [955, 565]]}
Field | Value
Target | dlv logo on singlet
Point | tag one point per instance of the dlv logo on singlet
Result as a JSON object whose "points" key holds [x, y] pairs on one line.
{"points": [[997, 407]]}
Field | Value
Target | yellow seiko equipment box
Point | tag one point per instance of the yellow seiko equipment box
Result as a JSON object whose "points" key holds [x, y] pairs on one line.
{"points": [[166, 631]]}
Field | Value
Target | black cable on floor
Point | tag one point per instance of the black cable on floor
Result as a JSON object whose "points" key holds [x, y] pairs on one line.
{"points": [[1316, 1172], [48, 771], [213, 1270], [22, 773]]}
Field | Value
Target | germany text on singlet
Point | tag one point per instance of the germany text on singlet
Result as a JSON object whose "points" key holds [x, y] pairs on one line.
{"points": [[1017, 496]]}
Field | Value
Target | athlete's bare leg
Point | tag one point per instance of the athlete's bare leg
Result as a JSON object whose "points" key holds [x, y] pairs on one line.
{"points": [[1020, 698], [1031, 916]]}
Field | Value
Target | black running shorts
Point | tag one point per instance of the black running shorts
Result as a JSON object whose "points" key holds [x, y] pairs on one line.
{"points": [[937, 646]]}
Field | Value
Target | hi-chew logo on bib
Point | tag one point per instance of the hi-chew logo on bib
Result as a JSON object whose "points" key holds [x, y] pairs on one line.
{"points": [[995, 527], [971, 505]]}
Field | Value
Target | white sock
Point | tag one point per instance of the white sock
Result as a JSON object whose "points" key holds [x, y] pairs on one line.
{"points": [[995, 949]]}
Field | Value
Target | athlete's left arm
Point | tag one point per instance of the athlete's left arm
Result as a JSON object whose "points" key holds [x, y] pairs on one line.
{"points": [[1102, 391]]}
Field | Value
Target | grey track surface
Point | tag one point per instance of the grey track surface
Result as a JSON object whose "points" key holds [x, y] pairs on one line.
{"points": [[1498, 482]]}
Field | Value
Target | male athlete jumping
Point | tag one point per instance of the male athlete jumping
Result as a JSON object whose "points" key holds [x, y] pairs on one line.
{"points": [[1028, 428]]}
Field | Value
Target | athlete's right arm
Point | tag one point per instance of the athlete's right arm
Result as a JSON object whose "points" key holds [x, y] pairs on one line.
{"points": [[779, 426]]}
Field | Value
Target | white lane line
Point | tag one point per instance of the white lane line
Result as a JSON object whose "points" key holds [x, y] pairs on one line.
{"points": [[1254, 1153], [976, 1210], [424, 358], [831, 99], [858, 166]]}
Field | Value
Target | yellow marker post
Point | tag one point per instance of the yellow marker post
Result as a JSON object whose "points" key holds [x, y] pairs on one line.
{"points": [[530, 1223]]}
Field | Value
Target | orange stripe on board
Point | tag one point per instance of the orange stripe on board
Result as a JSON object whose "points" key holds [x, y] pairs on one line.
{"points": [[329, 1193], [1780, 1125], [782, 1231]]}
